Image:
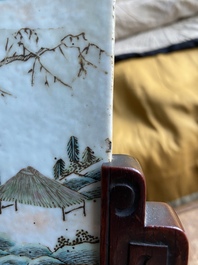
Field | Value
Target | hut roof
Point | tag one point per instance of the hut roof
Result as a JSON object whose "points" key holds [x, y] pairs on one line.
{"points": [[29, 186]]}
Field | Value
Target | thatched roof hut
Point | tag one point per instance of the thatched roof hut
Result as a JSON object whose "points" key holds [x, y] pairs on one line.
{"points": [[29, 186]]}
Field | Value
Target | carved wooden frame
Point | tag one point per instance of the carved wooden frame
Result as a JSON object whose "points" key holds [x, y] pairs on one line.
{"points": [[133, 231]]}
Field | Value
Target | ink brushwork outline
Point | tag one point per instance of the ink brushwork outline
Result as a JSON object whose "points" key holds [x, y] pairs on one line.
{"points": [[69, 41]]}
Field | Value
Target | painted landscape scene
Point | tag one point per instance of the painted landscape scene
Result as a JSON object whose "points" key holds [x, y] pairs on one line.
{"points": [[71, 195], [56, 69], [84, 252]]}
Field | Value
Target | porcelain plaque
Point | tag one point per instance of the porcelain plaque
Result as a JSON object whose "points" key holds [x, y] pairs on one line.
{"points": [[56, 61]]}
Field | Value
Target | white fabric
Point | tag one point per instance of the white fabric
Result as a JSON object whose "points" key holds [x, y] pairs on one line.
{"points": [[158, 38], [151, 24]]}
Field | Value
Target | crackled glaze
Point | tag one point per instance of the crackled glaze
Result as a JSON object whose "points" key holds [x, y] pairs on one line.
{"points": [[56, 61]]}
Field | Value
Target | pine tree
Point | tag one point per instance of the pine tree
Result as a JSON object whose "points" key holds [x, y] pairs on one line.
{"points": [[88, 155], [59, 168], [73, 149]]}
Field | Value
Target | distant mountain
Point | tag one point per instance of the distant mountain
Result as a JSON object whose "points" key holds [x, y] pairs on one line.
{"points": [[94, 174], [91, 191], [78, 182]]}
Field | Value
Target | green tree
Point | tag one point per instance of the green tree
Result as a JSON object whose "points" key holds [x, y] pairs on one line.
{"points": [[73, 149], [88, 155], [59, 167]]}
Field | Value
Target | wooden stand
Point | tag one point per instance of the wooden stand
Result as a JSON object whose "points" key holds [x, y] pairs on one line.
{"points": [[133, 231]]}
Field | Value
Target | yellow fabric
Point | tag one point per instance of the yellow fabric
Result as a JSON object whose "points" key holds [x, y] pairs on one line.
{"points": [[156, 120]]}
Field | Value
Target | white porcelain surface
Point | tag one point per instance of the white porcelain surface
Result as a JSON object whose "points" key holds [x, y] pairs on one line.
{"points": [[56, 60]]}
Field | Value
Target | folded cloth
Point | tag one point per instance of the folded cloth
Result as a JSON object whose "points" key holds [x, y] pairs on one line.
{"points": [[156, 121], [149, 24]]}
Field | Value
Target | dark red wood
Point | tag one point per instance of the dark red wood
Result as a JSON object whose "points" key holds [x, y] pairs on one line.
{"points": [[133, 231]]}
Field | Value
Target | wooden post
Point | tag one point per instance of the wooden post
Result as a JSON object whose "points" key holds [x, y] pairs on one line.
{"points": [[84, 210], [15, 203], [63, 212]]}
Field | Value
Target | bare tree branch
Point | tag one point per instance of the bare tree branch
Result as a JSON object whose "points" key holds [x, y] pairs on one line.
{"points": [[69, 41], [20, 57], [5, 93]]}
